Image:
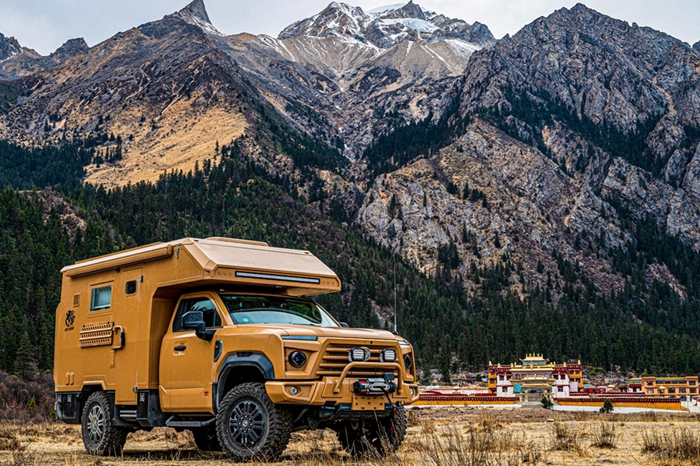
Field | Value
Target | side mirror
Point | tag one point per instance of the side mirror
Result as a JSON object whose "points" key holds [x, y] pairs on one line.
{"points": [[344, 325], [194, 320]]}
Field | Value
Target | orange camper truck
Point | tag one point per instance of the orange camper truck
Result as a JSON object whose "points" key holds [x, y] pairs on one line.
{"points": [[220, 336]]}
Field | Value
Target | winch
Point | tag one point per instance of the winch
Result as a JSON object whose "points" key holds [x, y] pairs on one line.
{"points": [[376, 386]]}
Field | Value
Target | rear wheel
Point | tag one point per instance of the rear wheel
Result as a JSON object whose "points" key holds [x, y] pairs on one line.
{"points": [[100, 436], [250, 426], [383, 436], [206, 439]]}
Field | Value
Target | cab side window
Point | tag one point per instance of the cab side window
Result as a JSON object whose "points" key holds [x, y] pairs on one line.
{"points": [[211, 317]]}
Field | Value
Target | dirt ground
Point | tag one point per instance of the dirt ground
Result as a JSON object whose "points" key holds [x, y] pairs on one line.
{"points": [[436, 436]]}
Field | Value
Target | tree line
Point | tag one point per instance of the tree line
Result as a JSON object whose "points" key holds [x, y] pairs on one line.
{"points": [[644, 327]]}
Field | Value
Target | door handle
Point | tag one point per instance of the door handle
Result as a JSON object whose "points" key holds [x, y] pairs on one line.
{"points": [[118, 332], [180, 348]]}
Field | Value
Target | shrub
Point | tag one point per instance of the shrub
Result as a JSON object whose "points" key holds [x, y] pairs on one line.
{"points": [[21, 400], [605, 436], [679, 444], [566, 438]]}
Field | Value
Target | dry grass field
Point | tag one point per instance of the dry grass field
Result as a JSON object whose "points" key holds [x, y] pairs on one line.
{"points": [[445, 436]]}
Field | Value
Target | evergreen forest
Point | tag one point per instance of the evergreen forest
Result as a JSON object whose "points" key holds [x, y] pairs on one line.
{"points": [[49, 218]]}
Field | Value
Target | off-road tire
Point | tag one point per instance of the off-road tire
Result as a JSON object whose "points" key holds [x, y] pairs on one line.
{"points": [[383, 436], [262, 429], [392, 432], [206, 439], [100, 436]]}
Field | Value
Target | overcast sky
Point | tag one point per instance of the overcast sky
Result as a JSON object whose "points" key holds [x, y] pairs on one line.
{"points": [[45, 24]]}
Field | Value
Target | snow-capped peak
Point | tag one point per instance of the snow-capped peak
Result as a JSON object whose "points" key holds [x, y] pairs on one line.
{"points": [[337, 19], [385, 26], [380, 10]]}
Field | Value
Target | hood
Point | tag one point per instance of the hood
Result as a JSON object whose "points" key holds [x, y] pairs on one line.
{"points": [[326, 332]]}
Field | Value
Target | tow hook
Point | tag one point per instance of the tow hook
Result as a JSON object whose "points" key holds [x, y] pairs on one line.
{"points": [[376, 386]]}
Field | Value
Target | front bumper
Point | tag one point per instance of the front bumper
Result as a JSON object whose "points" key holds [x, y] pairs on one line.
{"points": [[337, 390]]}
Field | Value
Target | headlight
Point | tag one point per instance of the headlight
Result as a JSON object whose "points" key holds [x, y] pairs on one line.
{"points": [[407, 362], [359, 354], [297, 359], [388, 355]]}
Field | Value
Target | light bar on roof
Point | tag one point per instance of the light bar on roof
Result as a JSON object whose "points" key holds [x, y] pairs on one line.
{"points": [[281, 278]]}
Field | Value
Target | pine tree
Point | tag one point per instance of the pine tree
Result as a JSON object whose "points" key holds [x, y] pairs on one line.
{"points": [[607, 407], [25, 366]]}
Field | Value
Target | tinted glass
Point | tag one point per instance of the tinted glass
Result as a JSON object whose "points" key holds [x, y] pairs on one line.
{"points": [[252, 309], [101, 298], [131, 287], [211, 317]]}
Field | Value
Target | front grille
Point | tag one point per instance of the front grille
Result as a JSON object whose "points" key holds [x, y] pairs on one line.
{"points": [[335, 358]]}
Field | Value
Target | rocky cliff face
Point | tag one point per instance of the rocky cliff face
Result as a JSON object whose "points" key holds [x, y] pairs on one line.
{"points": [[161, 87], [632, 92], [8, 47], [574, 119], [509, 199], [603, 68], [20, 61], [16, 60], [543, 148], [71, 48]]}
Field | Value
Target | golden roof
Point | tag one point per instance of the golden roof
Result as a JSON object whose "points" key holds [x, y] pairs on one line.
{"points": [[227, 260]]}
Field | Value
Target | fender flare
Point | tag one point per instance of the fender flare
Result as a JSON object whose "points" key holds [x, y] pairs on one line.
{"points": [[238, 360]]}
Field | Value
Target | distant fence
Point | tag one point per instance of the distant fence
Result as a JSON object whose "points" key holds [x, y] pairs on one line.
{"points": [[624, 402], [432, 398]]}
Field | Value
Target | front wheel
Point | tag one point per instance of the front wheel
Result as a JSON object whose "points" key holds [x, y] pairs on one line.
{"points": [[250, 426], [100, 436]]}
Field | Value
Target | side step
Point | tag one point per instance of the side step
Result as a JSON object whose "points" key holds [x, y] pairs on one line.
{"points": [[128, 415], [174, 423]]}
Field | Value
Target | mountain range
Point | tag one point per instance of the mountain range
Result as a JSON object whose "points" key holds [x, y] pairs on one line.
{"points": [[542, 158]]}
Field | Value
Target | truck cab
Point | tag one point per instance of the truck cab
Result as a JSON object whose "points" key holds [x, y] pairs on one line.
{"points": [[222, 337]]}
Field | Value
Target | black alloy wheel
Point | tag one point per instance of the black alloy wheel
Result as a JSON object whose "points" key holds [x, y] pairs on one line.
{"points": [[247, 423], [100, 436], [250, 427]]}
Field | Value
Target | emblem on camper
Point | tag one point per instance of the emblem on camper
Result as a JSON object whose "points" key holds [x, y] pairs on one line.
{"points": [[70, 318]]}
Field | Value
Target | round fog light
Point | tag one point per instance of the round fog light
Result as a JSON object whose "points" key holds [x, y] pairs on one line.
{"points": [[413, 392], [295, 391]]}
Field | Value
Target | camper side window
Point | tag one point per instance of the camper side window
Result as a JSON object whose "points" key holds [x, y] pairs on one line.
{"points": [[211, 317], [101, 298]]}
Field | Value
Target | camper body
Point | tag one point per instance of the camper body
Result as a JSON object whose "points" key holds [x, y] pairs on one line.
{"points": [[219, 336]]}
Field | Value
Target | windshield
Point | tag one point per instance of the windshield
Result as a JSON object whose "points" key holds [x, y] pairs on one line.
{"points": [[252, 309]]}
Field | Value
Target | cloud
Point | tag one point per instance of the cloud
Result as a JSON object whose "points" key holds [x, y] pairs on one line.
{"points": [[46, 24]]}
